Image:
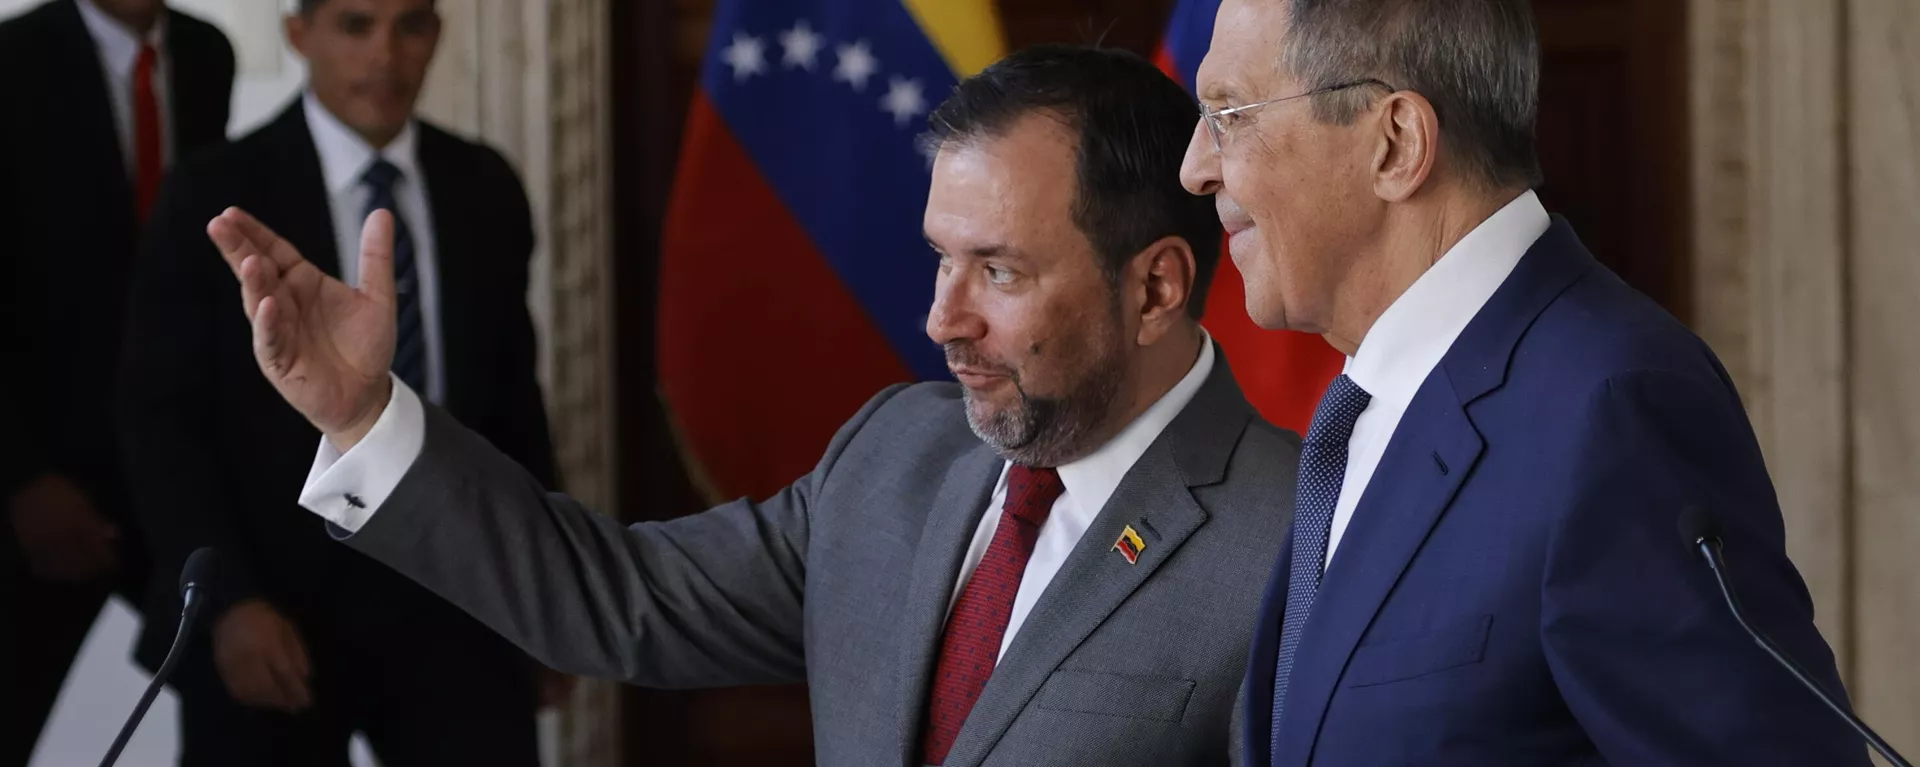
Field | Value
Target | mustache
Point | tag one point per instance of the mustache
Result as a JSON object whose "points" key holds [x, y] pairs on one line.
{"points": [[961, 354]]}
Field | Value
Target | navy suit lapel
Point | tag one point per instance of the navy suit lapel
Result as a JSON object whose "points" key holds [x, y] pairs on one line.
{"points": [[1432, 452]]}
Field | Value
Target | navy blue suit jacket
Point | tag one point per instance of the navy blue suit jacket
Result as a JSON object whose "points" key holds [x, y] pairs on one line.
{"points": [[1513, 588]]}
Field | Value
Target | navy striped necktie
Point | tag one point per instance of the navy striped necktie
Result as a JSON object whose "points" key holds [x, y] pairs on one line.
{"points": [[1323, 469], [410, 338]]}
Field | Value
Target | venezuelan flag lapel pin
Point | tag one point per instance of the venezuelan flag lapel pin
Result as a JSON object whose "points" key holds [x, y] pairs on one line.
{"points": [[1130, 545]]}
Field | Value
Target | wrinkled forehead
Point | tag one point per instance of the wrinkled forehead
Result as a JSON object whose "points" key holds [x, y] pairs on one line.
{"points": [[1244, 59]]}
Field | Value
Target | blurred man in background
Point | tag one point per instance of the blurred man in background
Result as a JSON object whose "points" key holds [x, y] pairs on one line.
{"points": [[310, 642], [101, 97]]}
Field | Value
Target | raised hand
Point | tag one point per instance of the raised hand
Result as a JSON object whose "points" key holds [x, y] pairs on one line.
{"points": [[324, 345]]}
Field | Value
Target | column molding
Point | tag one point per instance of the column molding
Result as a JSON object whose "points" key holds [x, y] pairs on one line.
{"points": [[1770, 261]]}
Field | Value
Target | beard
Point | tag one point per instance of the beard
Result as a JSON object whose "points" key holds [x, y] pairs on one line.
{"points": [[1049, 431]]}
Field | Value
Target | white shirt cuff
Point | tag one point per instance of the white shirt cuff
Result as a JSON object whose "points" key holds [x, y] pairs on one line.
{"points": [[346, 489]]}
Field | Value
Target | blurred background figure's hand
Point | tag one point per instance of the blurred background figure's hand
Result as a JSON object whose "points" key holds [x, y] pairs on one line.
{"points": [[63, 538], [261, 658]]}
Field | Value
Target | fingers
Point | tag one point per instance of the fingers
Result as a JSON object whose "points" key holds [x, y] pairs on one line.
{"points": [[234, 246], [258, 279], [270, 347], [288, 682], [376, 256], [261, 239]]}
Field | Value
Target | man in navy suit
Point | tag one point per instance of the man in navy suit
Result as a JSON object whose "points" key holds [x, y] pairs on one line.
{"points": [[1484, 565]]}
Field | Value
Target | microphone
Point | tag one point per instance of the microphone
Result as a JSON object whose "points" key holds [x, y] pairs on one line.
{"points": [[1702, 534], [195, 576]]}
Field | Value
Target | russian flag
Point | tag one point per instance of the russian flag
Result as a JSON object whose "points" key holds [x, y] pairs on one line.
{"points": [[794, 280], [1283, 373]]}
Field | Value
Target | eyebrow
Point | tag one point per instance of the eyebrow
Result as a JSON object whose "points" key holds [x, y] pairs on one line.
{"points": [[992, 250]]}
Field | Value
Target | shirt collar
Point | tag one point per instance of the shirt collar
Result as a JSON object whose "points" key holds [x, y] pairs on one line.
{"points": [[1092, 479], [119, 44], [345, 156], [1415, 331]]}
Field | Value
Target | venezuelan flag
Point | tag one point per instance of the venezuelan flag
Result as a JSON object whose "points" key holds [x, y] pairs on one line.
{"points": [[794, 280], [1283, 373]]}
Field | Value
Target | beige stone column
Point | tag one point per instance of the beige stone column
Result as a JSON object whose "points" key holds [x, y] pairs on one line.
{"points": [[1806, 163], [531, 78], [1883, 203], [1769, 260]]}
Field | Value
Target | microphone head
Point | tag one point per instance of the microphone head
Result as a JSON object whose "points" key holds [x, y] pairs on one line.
{"points": [[198, 571], [1697, 525]]}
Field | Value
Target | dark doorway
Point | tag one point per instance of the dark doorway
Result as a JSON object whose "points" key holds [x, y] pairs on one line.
{"points": [[1613, 137]]}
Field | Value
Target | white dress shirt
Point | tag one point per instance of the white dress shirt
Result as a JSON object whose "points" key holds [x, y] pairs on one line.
{"points": [[373, 468], [1089, 482], [119, 49], [1415, 332], [344, 159]]}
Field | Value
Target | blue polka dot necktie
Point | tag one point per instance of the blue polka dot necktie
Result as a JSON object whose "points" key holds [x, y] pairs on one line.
{"points": [[1323, 467], [409, 341]]}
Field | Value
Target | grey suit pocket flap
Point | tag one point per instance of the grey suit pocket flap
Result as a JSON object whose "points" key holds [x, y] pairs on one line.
{"points": [[1158, 698], [1450, 645]]}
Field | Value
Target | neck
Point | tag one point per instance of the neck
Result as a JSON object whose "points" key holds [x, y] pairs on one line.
{"points": [[1160, 368], [378, 139], [1412, 237], [140, 21]]}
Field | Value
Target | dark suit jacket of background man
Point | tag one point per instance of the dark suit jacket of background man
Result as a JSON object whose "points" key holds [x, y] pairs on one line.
{"points": [[68, 234], [1514, 588], [217, 458]]}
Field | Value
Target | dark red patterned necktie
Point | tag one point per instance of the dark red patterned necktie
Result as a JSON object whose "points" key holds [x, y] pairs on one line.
{"points": [[979, 619]]}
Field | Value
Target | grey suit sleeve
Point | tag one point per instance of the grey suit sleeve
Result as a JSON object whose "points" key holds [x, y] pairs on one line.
{"points": [[710, 599]]}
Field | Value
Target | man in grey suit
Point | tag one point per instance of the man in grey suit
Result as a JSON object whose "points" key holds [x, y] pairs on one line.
{"points": [[1056, 560]]}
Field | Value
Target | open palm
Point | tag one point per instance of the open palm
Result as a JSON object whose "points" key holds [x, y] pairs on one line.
{"points": [[323, 344]]}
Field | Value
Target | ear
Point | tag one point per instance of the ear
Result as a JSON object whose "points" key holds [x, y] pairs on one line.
{"points": [[1167, 271], [296, 26], [1409, 145]]}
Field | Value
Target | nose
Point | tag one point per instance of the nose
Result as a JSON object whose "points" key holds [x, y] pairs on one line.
{"points": [[1200, 170], [952, 316]]}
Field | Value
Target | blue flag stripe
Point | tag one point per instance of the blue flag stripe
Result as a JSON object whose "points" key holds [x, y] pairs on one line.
{"points": [[837, 142]]}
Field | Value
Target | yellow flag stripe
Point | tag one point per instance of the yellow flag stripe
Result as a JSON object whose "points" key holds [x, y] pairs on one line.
{"points": [[966, 32]]}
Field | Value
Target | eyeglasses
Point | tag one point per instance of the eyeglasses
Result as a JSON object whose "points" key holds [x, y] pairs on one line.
{"points": [[1217, 120]]}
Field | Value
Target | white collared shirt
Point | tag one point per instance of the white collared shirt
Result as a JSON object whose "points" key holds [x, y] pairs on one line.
{"points": [[1415, 332], [373, 468], [119, 49], [1089, 482], [344, 159]]}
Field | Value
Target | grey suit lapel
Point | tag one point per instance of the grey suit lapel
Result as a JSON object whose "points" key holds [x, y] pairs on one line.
{"points": [[956, 512], [1156, 499]]}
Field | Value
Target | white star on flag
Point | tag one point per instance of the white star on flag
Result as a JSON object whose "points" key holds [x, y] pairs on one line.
{"points": [[801, 45], [747, 55], [856, 65], [903, 99]]}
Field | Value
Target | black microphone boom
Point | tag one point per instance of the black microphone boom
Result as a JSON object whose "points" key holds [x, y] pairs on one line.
{"points": [[1703, 534], [194, 577]]}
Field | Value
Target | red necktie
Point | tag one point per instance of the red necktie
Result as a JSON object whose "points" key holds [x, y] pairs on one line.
{"points": [[146, 133], [979, 619]]}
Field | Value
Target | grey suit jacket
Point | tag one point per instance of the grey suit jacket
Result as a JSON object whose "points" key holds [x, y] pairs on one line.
{"points": [[843, 580]]}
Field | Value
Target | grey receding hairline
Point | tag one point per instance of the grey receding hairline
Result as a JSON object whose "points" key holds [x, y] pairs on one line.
{"points": [[1476, 61]]}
